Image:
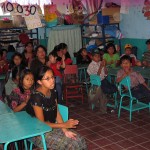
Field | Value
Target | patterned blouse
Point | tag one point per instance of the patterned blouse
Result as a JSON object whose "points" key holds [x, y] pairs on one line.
{"points": [[48, 105], [17, 97]]}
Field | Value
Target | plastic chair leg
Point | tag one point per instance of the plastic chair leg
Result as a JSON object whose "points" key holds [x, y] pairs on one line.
{"points": [[131, 110], [16, 145], [44, 142], [119, 111], [25, 144]]}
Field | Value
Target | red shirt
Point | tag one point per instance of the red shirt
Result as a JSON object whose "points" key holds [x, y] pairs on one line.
{"points": [[55, 69], [68, 61]]}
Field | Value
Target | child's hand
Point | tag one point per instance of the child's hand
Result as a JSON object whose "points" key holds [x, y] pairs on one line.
{"points": [[70, 134], [58, 65], [27, 98], [71, 123], [63, 57]]}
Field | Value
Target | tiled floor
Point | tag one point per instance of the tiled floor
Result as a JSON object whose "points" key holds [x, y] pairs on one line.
{"points": [[107, 132]]}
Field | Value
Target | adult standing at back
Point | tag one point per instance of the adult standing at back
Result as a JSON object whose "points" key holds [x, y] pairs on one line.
{"points": [[40, 60]]}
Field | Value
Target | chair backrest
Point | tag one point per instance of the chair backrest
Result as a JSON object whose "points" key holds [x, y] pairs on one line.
{"points": [[126, 82], [63, 111], [71, 71], [95, 80]]}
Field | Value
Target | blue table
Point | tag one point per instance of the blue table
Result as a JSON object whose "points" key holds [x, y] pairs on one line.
{"points": [[4, 108], [19, 126]]}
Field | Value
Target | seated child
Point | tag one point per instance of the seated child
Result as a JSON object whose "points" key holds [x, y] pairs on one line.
{"points": [[64, 49], [43, 105], [98, 67], [139, 88], [19, 96], [111, 57], [56, 66], [128, 51], [146, 55], [82, 57]]}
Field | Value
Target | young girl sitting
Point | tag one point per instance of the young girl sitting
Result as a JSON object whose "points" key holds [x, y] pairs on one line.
{"points": [[56, 67], [19, 96], [43, 105], [83, 57], [111, 57]]}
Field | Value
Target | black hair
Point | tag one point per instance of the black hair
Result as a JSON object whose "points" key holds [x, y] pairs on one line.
{"points": [[125, 57], [12, 60], [21, 77], [1, 53], [40, 46], [15, 72], [28, 44], [63, 45], [80, 51], [53, 53], [148, 41], [42, 72], [57, 48], [11, 48], [108, 46]]}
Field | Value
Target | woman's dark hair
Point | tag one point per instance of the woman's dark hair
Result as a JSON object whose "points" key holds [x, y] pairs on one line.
{"points": [[21, 77], [42, 72], [62, 46], [15, 72], [11, 48], [148, 41], [40, 46], [125, 57], [1, 53], [108, 46]]}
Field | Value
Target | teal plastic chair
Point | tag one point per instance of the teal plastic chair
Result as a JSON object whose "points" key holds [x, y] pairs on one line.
{"points": [[134, 104], [95, 80], [64, 113]]}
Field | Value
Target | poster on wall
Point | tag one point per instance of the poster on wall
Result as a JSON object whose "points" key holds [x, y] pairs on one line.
{"points": [[146, 9], [33, 21]]}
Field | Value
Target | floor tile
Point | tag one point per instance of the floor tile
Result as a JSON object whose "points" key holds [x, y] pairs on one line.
{"points": [[92, 146], [146, 145], [93, 136], [105, 133], [112, 147], [137, 147], [116, 138], [126, 144], [103, 142], [138, 139]]}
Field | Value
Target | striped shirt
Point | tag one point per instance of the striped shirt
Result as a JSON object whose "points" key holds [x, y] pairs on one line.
{"points": [[94, 67], [136, 78]]}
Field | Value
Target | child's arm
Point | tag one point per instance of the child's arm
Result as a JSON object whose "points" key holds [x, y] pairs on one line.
{"points": [[60, 124], [63, 62], [122, 77], [100, 67]]}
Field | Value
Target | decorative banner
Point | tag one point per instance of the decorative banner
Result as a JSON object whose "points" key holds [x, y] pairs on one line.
{"points": [[17, 9], [50, 13], [33, 21]]}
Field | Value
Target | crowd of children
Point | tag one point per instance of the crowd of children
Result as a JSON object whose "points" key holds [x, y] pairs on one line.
{"points": [[35, 84]]}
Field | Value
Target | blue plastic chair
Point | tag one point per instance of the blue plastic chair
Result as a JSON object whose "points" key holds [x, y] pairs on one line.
{"points": [[95, 80], [64, 113], [132, 106]]}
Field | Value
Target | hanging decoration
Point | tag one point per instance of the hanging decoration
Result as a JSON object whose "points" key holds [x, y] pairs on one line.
{"points": [[146, 9]]}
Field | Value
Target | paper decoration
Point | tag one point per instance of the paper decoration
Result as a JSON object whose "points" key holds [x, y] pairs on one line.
{"points": [[33, 21], [7, 7], [124, 7], [146, 9], [50, 13]]}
